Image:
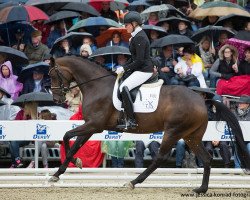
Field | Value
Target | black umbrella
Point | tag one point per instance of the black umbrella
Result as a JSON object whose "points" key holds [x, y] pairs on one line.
{"points": [[135, 4], [81, 7], [16, 57], [181, 3], [28, 70], [213, 32], [110, 53], [147, 28], [172, 39], [237, 21], [43, 99], [173, 21], [62, 15], [75, 38], [210, 94], [5, 92], [243, 35], [2, 103]]}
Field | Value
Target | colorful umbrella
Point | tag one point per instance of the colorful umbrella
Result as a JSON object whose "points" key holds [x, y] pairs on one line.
{"points": [[94, 22], [240, 45], [114, 4], [81, 7], [217, 8], [102, 39], [22, 13]]}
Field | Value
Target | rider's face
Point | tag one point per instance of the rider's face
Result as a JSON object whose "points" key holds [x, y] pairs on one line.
{"points": [[129, 27]]}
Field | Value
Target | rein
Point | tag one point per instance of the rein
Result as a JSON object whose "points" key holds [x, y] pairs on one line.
{"points": [[61, 77]]}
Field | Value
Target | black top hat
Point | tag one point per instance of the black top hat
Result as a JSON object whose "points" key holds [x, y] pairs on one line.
{"points": [[242, 99], [5, 92], [210, 94]]}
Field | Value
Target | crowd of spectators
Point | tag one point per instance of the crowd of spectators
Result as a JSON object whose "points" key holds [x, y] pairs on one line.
{"points": [[203, 65]]}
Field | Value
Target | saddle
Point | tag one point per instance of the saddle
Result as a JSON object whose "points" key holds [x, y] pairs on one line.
{"points": [[133, 92]]}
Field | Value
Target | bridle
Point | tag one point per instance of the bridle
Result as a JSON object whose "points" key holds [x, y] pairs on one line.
{"points": [[65, 89]]}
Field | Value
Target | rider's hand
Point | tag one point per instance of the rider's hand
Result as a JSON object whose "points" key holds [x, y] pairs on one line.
{"points": [[119, 70]]}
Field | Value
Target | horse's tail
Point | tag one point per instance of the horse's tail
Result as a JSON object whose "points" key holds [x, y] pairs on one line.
{"points": [[238, 144]]}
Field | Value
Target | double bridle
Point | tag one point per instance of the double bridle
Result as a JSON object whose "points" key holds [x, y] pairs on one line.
{"points": [[64, 89]]}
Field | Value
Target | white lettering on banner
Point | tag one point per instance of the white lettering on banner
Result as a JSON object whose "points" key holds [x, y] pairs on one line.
{"points": [[55, 129]]}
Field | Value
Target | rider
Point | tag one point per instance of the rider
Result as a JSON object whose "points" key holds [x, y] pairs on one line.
{"points": [[140, 66]]}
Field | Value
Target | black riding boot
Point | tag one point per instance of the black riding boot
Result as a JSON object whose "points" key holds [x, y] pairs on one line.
{"points": [[127, 104]]}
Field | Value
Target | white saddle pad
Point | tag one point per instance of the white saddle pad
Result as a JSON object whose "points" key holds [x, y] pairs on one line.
{"points": [[145, 102]]}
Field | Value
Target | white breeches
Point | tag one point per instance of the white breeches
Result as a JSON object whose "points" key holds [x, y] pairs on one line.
{"points": [[135, 79]]}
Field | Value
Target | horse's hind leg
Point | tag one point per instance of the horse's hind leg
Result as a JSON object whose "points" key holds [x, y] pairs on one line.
{"points": [[167, 143], [195, 144]]}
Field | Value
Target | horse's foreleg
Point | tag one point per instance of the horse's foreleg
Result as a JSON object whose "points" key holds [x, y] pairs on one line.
{"points": [[165, 147]]}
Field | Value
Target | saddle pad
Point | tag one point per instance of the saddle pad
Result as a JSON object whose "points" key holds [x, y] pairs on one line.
{"points": [[146, 99]]}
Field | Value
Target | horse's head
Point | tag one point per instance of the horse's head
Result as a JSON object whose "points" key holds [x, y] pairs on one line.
{"points": [[60, 81]]}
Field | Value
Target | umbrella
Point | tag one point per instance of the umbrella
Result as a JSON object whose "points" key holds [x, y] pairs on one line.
{"points": [[172, 39], [81, 7], [243, 35], [102, 39], [135, 4], [173, 21], [16, 57], [210, 94], [74, 37], [114, 4], [163, 11], [240, 45], [43, 99], [22, 13], [147, 28], [94, 22], [62, 15], [242, 99], [212, 31], [217, 8], [5, 92], [28, 70], [50, 6], [238, 21], [181, 3], [110, 53]]}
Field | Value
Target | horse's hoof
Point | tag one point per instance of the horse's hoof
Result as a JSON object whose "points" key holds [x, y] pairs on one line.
{"points": [[129, 185], [200, 190], [78, 163], [53, 179]]}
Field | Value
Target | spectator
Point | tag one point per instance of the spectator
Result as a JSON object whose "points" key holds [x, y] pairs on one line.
{"points": [[36, 50], [189, 70], [8, 80], [85, 51], [19, 42], [117, 150], [225, 66], [140, 147], [242, 112], [207, 54], [166, 70], [223, 37], [247, 6], [64, 49], [57, 31], [28, 112], [73, 98], [165, 25], [107, 12], [44, 28], [8, 111], [210, 20], [153, 19], [90, 42], [244, 66], [43, 145], [183, 29], [37, 83], [117, 40]]}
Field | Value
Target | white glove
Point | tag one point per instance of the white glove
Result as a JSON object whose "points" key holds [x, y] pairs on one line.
{"points": [[119, 70]]}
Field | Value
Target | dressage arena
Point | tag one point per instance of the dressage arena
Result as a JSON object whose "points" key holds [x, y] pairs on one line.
{"points": [[107, 183]]}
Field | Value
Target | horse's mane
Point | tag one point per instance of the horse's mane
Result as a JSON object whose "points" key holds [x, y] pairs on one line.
{"points": [[78, 60]]}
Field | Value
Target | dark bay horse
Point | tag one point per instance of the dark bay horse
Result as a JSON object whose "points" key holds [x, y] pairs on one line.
{"points": [[181, 113]]}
